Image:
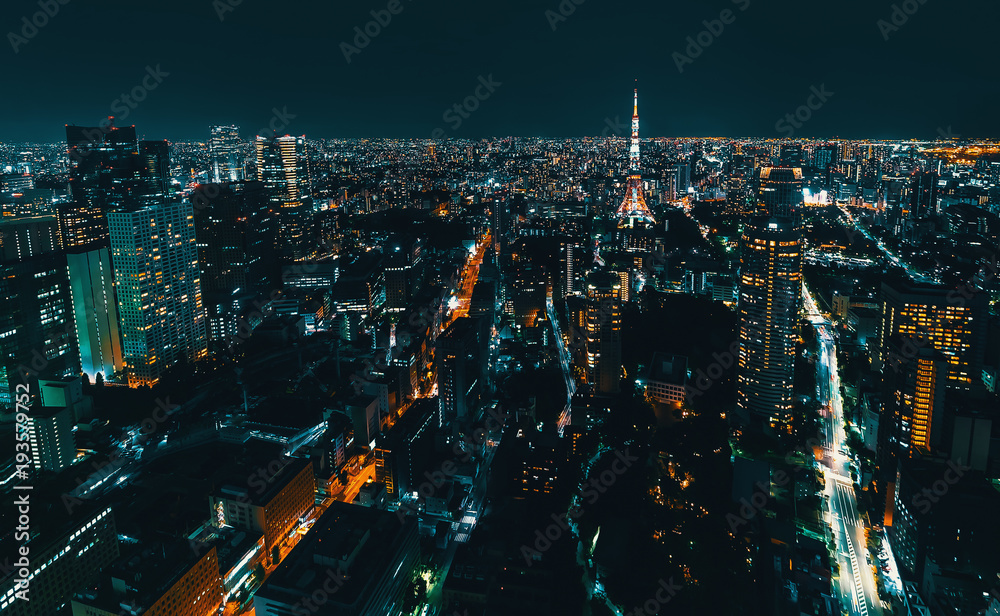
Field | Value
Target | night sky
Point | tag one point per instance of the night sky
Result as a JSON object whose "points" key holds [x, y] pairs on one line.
{"points": [[937, 70]]}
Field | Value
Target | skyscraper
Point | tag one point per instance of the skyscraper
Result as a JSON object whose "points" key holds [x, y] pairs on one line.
{"points": [[604, 332], [236, 233], [770, 295], [155, 159], [159, 289], [227, 161], [459, 358], [283, 167], [36, 319], [95, 312], [954, 325], [50, 433], [107, 172], [923, 194], [779, 191]]}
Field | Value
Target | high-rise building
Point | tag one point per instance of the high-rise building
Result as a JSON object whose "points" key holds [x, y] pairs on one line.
{"points": [[236, 233], [572, 266], [227, 161], [68, 551], [36, 321], [108, 172], [283, 167], [159, 289], [923, 194], [81, 225], [779, 191], [954, 325], [770, 295], [23, 237], [914, 397], [501, 231], [155, 159], [50, 433], [105, 168], [824, 156], [604, 332], [460, 366], [95, 312], [403, 268]]}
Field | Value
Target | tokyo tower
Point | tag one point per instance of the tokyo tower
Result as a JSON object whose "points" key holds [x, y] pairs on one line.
{"points": [[634, 205]]}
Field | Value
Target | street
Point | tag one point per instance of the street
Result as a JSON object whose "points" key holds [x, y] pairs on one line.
{"points": [[856, 583]]}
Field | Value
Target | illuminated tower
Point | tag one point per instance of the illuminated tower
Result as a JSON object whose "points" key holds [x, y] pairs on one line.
{"points": [[634, 205]]}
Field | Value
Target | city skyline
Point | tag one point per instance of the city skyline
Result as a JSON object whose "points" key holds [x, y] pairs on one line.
{"points": [[272, 371]]}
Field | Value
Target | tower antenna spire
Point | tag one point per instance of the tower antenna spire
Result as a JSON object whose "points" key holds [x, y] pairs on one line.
{"points": [[634, 205]]}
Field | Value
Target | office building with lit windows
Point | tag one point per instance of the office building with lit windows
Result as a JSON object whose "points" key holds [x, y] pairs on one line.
{"points": [[36, 321], [25, 236], [951, 323], [770, 296], [227, 161], [779, 191], [68, 550], [274, 506], [283, 167], [159, 289], [50, 433], [176, 578], [604, 332]]}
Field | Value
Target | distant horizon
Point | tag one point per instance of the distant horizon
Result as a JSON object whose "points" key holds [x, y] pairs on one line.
{"points": [[957, 140]]}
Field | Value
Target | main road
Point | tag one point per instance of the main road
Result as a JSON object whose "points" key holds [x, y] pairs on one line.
{"points": [[856, 582]]}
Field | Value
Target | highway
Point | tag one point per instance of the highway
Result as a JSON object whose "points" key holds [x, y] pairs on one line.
{"points": [[856, 582], [564, 361]]}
